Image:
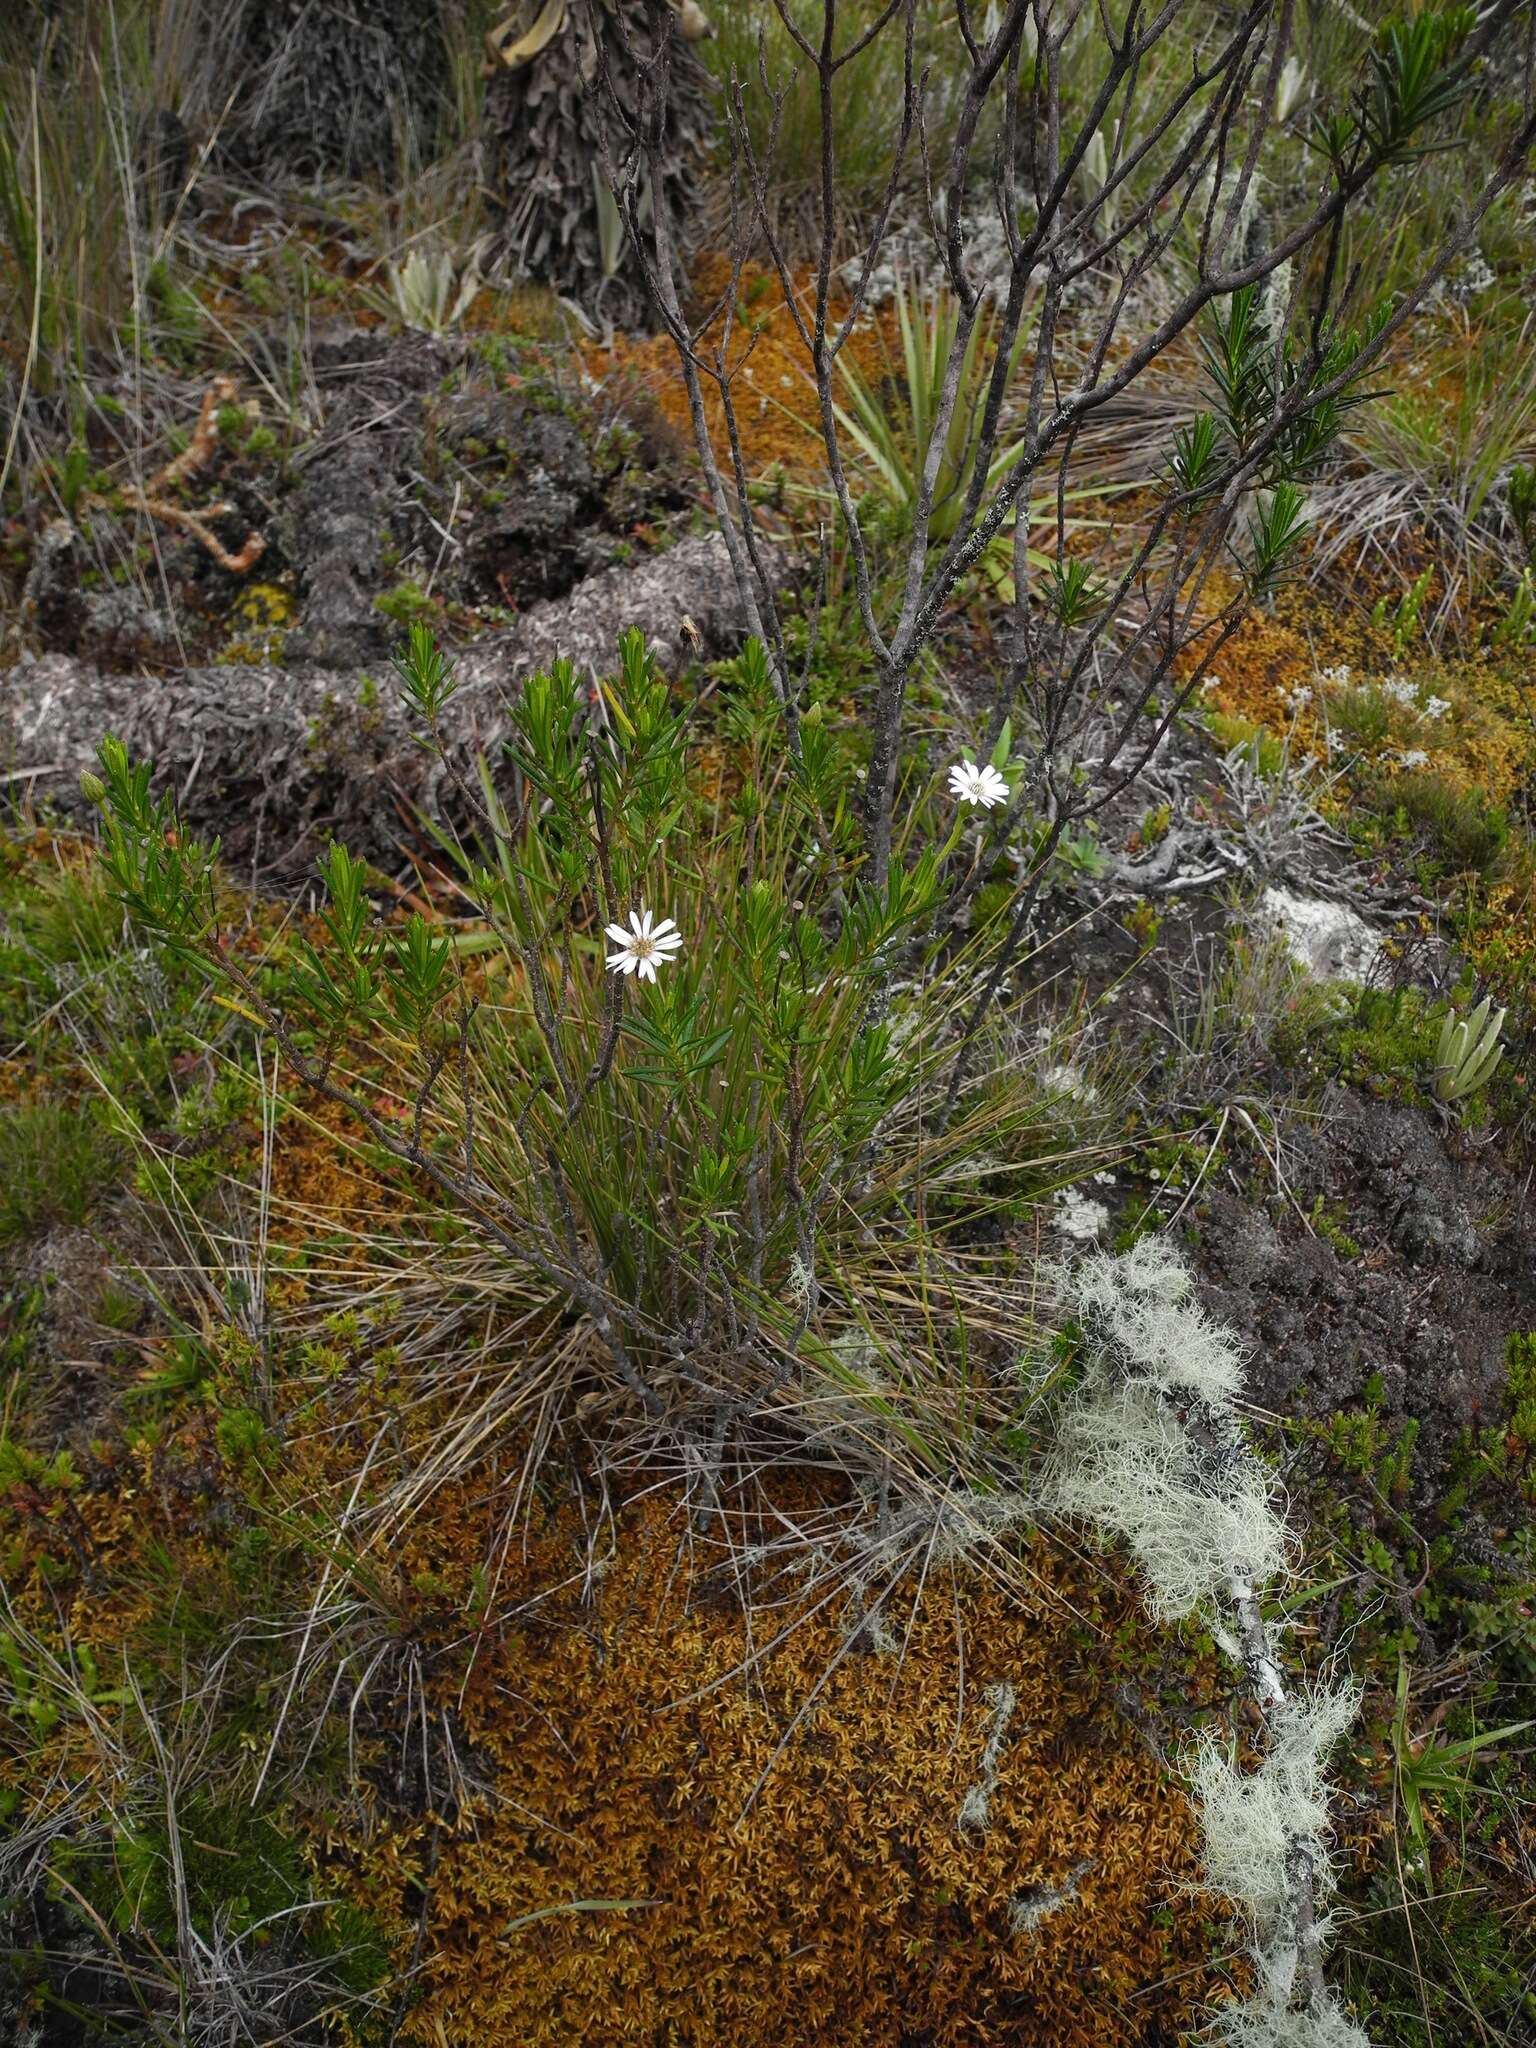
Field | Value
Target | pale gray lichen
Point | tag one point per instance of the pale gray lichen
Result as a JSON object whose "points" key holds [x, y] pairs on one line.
{"points": [[1153, 1451], [1254, 1819], [976, 1807], [1037, 1902], [1126, 1463], [1270, 2019], [1140, 1311]]}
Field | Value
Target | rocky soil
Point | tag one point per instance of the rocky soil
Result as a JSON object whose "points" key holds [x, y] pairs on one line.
{"points": [[526, 523]]}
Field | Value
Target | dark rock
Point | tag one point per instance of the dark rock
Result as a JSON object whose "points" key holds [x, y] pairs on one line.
{"points": [[1422, 1232], [533, 541], [112, 625], [1427, 1307]]}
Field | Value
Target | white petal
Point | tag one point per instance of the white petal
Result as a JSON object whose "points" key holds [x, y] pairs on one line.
{"points": [[647, 969], [617, 933], [663, 928], [642, 923]]}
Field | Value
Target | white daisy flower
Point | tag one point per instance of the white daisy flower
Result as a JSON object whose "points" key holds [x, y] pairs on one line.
{"points": [[973, 785], [644, 947]]}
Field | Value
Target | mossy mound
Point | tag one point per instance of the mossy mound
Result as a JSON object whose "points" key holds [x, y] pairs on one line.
{"points": [[934, 1824]]}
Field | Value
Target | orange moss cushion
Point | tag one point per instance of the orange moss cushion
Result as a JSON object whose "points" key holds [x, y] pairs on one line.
{"points": [[837, 1898]]}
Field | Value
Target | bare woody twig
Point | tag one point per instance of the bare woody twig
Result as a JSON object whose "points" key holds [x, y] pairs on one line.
{"points": [[1080, 193]]}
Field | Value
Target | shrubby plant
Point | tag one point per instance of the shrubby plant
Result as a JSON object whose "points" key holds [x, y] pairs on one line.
{"points": [[1097, 189], [682, 1061], [890, 424]]}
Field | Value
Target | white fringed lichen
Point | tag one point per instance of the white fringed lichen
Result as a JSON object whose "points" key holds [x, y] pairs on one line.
{"points": [[1253, 1819], [1126, 1463], [976, 1807], [1142, 1311], [1152, 1451], [1272, 2019]]}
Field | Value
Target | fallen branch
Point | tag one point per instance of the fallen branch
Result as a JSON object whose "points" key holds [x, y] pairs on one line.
{"points": [[151, 499]]}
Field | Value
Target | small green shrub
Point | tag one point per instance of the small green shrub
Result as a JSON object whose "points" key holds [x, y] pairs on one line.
{"points": [[711, 1135], [1463, 832], [1456, 1529]]}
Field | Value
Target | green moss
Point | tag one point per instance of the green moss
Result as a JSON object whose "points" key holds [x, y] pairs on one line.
{"points": [[1385, 1041], [992, 901], [51, 1472], [1330, 1229], [1521, 1362], [406, 602], [239, 1434], [1229, 731], [1155, 825], [261, 292]]}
